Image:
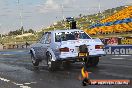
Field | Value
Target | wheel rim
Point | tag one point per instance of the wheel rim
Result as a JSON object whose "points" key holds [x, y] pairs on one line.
{"points": [[49, 60], [33, 61], [32, 58]]}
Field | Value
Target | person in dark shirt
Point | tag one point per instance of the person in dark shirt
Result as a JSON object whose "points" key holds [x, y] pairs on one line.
{"points": [[27, 44]]}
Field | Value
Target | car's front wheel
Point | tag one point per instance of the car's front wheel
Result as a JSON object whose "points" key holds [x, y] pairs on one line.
{"points": [[35, 61]]}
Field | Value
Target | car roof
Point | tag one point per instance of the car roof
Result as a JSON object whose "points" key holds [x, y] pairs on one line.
{"points": [[65, 30]]}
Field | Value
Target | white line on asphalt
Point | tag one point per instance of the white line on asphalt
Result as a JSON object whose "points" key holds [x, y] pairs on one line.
{"points": [[6, 54], [30, 83], [27, 83], [5, 80], [118, 58], [25, 87], [33, 82], [17, 84], [21, 85], [121, 55]]}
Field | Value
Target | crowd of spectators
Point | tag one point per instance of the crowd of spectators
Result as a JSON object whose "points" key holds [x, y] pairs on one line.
{"points": [[124, 14]]}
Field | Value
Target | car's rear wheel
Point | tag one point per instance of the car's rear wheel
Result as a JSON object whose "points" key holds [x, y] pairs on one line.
{"points": [[35, 61], [51, 65]]}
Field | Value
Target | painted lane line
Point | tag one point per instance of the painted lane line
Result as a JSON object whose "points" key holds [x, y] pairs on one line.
{"points": [[27, 83], [25, 87], [5, 80], [33, 82], [21, 85], [6, 54], [121, 55], [17, 84], [118, 58]]}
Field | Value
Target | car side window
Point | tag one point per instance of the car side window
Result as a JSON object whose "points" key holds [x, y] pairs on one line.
{"points": [[48, 38], [42, 39]]}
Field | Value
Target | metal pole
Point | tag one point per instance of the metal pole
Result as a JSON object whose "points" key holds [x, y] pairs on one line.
{"points": [[20, 15], [99, 7], [62, 7]]}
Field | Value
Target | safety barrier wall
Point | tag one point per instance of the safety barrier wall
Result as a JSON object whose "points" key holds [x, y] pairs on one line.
{"points": [[13, 46]]}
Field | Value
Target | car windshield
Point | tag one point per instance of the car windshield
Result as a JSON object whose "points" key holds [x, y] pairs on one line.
{"points": [[64, 36]]}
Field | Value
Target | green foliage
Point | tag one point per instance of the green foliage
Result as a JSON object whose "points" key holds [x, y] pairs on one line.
{"points": [[20, 32]]}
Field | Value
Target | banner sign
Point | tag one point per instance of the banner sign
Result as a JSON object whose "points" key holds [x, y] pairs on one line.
{"points": [[126, 40], [112, 41], [118, 50], [117, 41]]}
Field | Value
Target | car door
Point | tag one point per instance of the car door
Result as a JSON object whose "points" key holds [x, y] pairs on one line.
{"points": [[45, 44], [39, 50]]}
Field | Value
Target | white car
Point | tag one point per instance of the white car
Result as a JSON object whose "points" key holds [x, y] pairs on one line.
{"points": [[71, 45]]}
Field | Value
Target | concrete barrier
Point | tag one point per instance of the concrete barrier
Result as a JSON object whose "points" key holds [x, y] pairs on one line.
{"points": [[12, 46]]}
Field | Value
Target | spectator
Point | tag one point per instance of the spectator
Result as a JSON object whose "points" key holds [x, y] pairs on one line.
{"points": [[27, 44]]}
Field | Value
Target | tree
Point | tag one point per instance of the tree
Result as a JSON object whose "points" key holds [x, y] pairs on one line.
{"points": [[30, 31], [80, 15]]}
